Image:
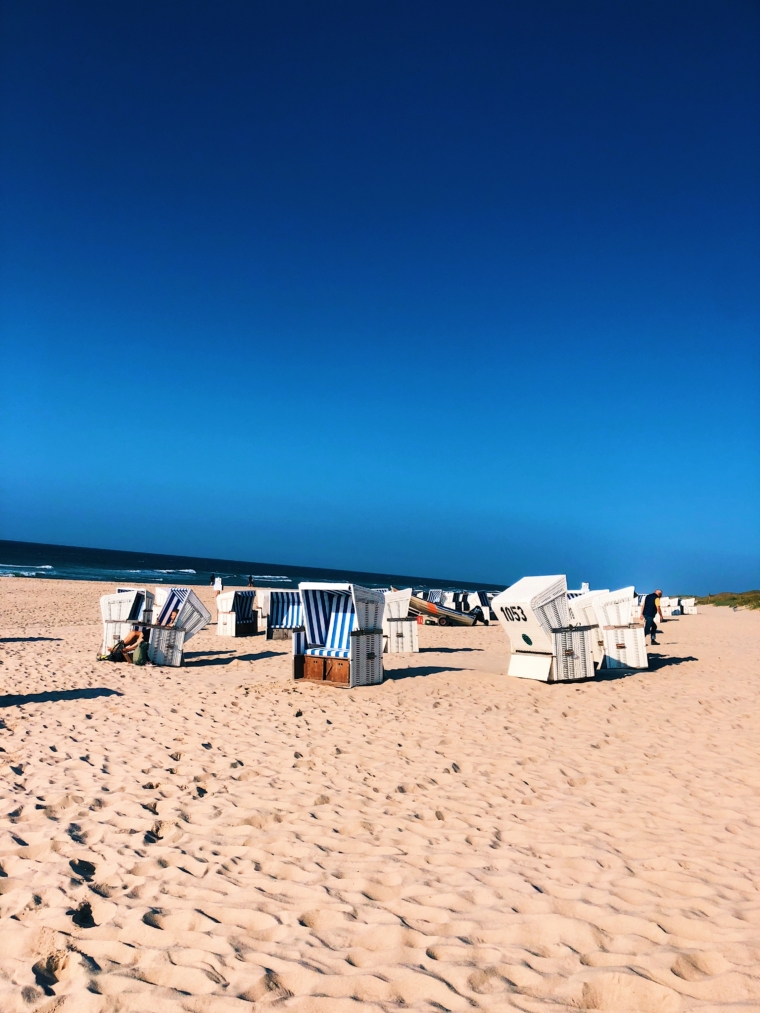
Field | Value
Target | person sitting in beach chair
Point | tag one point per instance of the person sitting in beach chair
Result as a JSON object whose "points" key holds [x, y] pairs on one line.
{"points": [[133, 648]]}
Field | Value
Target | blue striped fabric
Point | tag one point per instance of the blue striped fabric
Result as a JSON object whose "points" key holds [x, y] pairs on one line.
{"points": [[242, 605], [299, 642], [176, 597], [317, 606], [329, 618], [285, 612], [435, 596], [342, 621]]}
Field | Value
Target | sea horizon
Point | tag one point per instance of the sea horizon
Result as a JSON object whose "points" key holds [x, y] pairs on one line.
{"points": [[70, 562]]}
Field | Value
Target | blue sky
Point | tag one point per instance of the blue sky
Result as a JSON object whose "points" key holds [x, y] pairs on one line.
{"points": [[423, 288]]}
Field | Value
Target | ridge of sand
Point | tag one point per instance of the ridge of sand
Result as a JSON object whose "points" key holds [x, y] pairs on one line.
{"points": [[216, 838]]}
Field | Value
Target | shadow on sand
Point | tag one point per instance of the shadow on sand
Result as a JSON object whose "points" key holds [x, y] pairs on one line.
{"points": [[27, 640], [657, 661], [448, 650], [19, 699], [200, 660], [414, 673]]}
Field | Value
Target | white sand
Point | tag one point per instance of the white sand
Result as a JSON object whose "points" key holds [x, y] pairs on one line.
{"points": [[451, 840]]}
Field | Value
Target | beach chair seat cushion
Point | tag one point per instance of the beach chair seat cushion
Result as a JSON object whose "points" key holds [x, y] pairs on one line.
{"points": [[328, 652]]}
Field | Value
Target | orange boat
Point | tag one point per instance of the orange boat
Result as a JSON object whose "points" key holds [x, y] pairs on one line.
{"points": [[445, 617]]}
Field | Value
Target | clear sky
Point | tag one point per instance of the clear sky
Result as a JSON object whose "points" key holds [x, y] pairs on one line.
{"points": [[398, 286]]}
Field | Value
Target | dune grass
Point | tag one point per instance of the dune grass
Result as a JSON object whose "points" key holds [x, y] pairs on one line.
{"points": [[740, 599]]}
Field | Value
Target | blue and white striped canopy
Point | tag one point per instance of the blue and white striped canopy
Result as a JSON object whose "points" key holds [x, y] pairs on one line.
{"points": [[174, 600], [242, 605], [285, 611], [329, 617]]}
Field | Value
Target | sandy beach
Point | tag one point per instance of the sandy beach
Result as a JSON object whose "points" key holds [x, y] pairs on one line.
{"points": [[217, 839]]}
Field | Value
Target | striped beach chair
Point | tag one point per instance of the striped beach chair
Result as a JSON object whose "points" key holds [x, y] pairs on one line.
{"points": [[168, 638], [236, 616], [478, 603], [285, 614], [342, 639]]}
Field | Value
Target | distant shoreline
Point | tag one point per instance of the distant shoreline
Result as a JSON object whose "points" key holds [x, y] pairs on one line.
{"points": [[69, 562]]}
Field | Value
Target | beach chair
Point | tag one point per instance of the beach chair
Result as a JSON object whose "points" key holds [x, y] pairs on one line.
{"points": [[148, 601], [581, 610], [534, 614], [623, 642], [120, 610], [479, 602], [616, 608], [624, 647], [400, 630], [236, 616], [126, 603], [284, 615], [342, 639], [168, 638]]}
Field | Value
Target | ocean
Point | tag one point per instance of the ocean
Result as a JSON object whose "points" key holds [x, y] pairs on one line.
{"points": [[68, 562]]}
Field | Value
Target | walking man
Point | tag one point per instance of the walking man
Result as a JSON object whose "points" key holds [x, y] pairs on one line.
{"points": [[650, 609]]}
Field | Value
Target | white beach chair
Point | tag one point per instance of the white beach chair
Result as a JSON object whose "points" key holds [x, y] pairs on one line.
{"points": [[342, 640], [582, 613], [284, 614], [624, 647], [120, 610], [126, 603], [534, 615], [400, 630], [616, 608], [623, 640], [146, 612], [236, 616]]}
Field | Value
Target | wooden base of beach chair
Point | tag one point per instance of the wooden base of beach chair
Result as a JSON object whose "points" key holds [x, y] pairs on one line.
{"points": [[333, 670], [338, 671], [314, 669]]}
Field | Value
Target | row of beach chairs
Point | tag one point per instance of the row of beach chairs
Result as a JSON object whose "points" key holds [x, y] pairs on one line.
{"points": [[558, 636], [340, 632], [169, 617]]}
